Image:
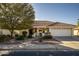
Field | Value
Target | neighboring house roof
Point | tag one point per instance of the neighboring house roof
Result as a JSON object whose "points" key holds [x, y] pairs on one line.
{"points": [[45, 24], [77, 28]]}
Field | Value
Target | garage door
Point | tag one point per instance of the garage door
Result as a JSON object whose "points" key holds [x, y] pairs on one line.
{"points": [[60, 32]]}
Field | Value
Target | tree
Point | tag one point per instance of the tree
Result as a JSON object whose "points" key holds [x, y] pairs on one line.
{"points": [[78, 26], [16, 16], [78, 22]]}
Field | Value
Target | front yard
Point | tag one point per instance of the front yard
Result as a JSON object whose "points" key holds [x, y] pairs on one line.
{"points": [[28, 44], [67, 44]]}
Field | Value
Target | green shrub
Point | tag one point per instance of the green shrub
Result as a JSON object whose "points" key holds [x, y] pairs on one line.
{"points": [[24, 33], [47, 37], [4, 38], [16, 35], [20, 37], [29, 36]]}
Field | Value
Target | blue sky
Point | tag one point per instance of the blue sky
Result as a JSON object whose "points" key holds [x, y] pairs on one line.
{"points": [[57, 12]]}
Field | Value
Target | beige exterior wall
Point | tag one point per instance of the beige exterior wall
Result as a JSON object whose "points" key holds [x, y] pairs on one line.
{"points": [[4, 32], [76, 32], [7, 32]]}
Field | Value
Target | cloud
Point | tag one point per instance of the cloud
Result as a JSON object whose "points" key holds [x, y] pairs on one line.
{"points": [[37, 19], [41, 19]]}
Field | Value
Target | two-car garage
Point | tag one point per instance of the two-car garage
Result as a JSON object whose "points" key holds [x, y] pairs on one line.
{"points": [[61, 32], [61, 29]]}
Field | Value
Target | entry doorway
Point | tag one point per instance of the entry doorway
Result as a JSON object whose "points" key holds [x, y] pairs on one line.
{"points": [[30, 33]]}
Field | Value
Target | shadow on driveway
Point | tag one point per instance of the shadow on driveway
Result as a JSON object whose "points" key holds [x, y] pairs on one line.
{"points": [[67, 38]]}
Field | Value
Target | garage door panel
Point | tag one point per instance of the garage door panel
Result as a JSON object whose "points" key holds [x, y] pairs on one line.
{"points": [[60, 32]]}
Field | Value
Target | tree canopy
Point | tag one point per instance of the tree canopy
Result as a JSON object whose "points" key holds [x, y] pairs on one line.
{"points": [[16, 16], [78, 23]]}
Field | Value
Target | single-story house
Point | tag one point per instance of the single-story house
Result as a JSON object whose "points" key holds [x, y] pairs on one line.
{"points": [[55, 28]]}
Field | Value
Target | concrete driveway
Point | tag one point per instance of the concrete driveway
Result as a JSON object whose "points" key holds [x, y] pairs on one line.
{"points": [[71, 42]]}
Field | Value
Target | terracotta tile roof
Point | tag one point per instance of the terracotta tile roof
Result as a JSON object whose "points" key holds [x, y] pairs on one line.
{"points": [[50, 23], [60, 23], [42, 23]]}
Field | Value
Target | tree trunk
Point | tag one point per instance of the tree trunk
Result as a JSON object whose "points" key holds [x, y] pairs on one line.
{"points": [[12, 31], [78, 33]]}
